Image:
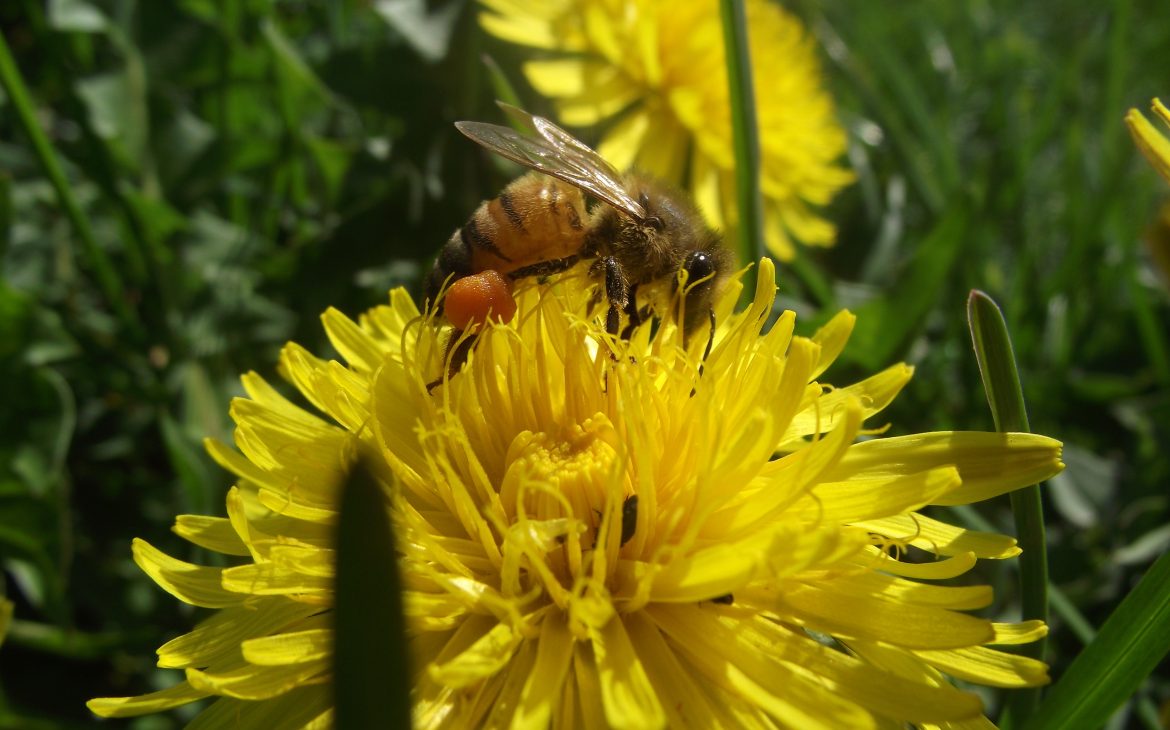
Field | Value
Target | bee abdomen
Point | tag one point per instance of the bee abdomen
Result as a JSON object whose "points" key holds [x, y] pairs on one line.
{"points": [[479, 234], [454, 262]]}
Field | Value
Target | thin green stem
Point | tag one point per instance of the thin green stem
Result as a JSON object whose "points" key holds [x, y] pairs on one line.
{"points": [[95, 257], [1001, 382], [746, 137]]}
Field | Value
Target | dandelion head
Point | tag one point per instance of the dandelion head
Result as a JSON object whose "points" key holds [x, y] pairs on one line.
{"points": [[654, 73], [604, 532]]}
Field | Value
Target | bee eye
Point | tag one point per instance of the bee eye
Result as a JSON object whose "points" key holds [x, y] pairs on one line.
{"points": [[698, 265], [653, 222], [643, 200]]}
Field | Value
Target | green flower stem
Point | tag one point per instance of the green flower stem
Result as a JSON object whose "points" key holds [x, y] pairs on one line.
{"points": [[746, 137], [1001, 382], [95, 257]]}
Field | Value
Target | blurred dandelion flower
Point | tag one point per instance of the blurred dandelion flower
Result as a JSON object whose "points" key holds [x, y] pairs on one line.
{"points": [[657, 66], [5, 617], [774, 569], [1153, 144]]}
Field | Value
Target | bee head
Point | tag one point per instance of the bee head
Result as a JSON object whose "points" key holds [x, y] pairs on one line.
{"points": [[671, 227]]}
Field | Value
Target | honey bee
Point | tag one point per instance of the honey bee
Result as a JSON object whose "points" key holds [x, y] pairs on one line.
{"points": [[640, 231]]}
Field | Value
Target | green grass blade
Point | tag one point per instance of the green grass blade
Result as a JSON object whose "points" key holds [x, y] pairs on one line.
{"points": [[1001, 382], [6, 218], [501, 84], [1129, 646], [371, 678], [746, 137], [95, 257]]}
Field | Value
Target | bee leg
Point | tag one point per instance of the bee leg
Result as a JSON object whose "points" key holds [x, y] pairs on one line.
{"points": [[710, 340], [707, 349], [616, 291], [634, 315], [701, 268], [455, 354], [544, 268]]}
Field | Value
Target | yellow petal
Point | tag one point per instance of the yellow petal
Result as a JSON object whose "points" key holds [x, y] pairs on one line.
{"points": [[937, 570], [990, 464], [941, 538], [788, 479], [1023, 632], [824, 609], [250, 682], [268, 579], [689, 705], [165, 699], [545, 686], [890, 588], [886, 694], [489, 654], [715, 570], [290, 710], [832, 337], [192, 584], [856, 500], [989, 667], [292, 647], [664, 152], [513, 679], [627, 696], [358, 348], [621, 144], [1152, 142], [874, 394], [213, 533], [219, 636], [725, 659]]}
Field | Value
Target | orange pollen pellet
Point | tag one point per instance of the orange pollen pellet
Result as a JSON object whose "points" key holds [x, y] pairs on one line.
{"points": [[473, 298]]}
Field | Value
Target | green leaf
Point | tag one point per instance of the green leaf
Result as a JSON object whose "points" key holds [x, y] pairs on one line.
{"points": [[16, 318], [76, 16], [117, 113], [502, 86], [6, 220], [1001, 383], [371, 678], [1128, 648], [95, 256], [187, 461], [302, 89], [182, 143], [997, 363], [428, 33], [887, 324], [332, 161]]}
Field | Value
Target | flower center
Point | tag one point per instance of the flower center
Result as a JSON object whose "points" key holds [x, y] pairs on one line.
{"points": [[562, 474]]}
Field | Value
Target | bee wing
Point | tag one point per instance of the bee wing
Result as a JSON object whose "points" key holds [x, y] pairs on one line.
{"points": [[557, 153]]}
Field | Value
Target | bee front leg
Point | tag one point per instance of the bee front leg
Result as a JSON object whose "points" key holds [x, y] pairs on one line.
{"points": [[616, 291]]}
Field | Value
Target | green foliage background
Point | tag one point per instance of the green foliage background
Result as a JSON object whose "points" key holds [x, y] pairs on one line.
{"points": [[243, 164]]}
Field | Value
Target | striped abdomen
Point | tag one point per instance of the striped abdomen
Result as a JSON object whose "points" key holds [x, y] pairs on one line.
{"points": [[535, 219]]}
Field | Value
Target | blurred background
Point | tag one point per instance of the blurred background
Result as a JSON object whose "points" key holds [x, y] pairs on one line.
{"points": [[237, 166]]}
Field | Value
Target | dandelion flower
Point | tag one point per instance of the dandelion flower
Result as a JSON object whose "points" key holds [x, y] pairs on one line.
{"points": [[5, 618], [657, 66], [774, 570], [1153, 144]]}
